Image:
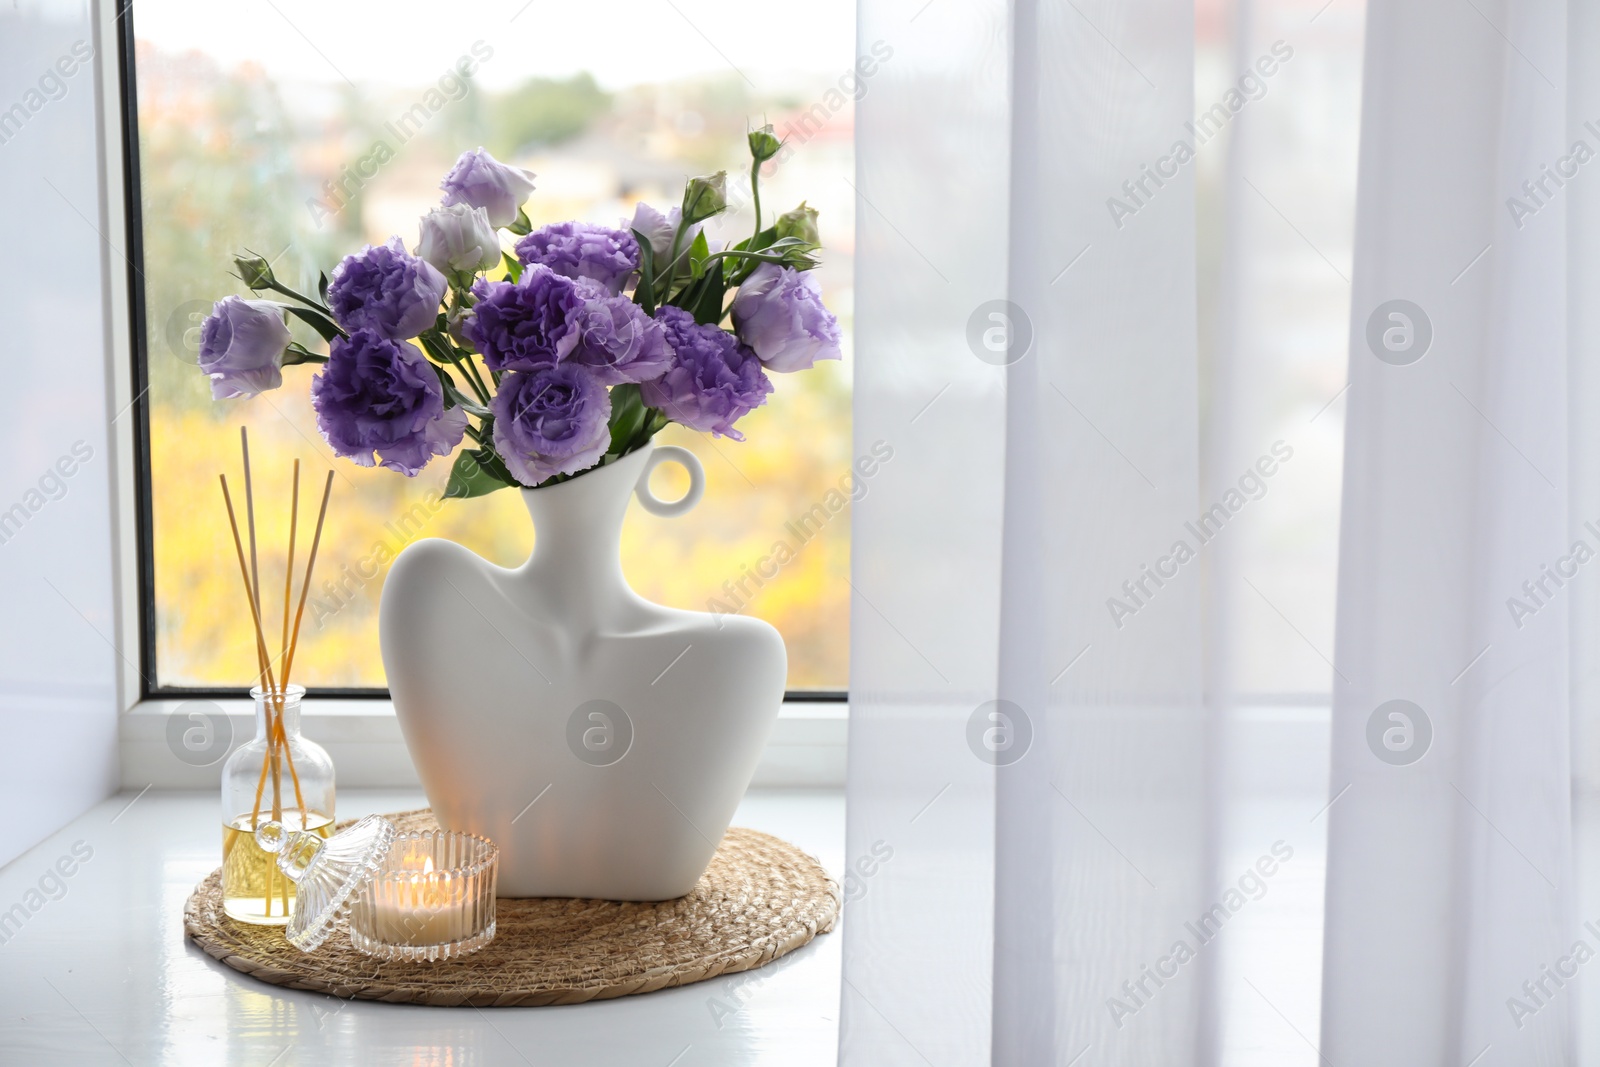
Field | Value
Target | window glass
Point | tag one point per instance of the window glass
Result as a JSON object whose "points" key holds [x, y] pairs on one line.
{"points": [[302, 131]]}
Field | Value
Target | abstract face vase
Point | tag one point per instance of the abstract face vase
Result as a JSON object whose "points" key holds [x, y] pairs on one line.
{"points": [[600, 740]]}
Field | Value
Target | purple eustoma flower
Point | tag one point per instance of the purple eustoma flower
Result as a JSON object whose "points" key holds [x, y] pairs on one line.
{"points": [[549, 421], [458, 239], [387, 289], [480, 180], [583, 250], [241, 347], [525, 324], [379, 396], [659, 230], [617, 340], [714, 380], [779, 313]]}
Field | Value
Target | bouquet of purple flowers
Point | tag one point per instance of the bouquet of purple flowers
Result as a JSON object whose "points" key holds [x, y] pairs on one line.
{"points": [[589, 341]]}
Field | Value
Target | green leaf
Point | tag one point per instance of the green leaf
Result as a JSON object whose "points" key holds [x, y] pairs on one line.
{"points": [[454, 397], [703, 291], [441, 349], [627, 417], [296, 354], [653, 422], [326, 328], [522, 226], [698, 252], [645, 293], [477, 472], [435, 349], [322, 286], [760, 241], [513, 267], [444, 352], [707, 308], [789, 252], [797, 253], [633, 422]]}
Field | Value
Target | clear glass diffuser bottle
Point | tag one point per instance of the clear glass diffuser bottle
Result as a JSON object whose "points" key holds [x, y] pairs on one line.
{"points": [[277, 777]]}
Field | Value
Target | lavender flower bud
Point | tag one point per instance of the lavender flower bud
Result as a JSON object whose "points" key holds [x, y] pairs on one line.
{"points": [[764, 144], [801, 223], [705, 197]]}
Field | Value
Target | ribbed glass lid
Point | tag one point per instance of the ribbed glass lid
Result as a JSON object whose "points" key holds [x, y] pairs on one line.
{"points": [[326, 873]]}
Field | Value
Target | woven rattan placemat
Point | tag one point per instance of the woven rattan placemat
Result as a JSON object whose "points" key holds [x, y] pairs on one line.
{"points": [[760, 898]]}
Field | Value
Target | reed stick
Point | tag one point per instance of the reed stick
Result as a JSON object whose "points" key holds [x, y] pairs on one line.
{"points": [[283, 640], [294, 637], [278, 749], [250, 518], [305, 586], [275, 704], [288, 567], [288, 755], [271, 756], [261, 784], [261, 641], [274, 699], [267, 680]]}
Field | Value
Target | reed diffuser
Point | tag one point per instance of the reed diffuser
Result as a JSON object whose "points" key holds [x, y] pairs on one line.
{"points": [[279, 776]]}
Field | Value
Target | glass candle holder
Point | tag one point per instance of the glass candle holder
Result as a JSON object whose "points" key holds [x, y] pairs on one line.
{"points": [[430, 898]]}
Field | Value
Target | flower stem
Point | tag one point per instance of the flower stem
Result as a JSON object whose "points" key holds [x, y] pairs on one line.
{"points": [[279, 287], [755, 191], [438, 345], [764, 257], [474, 377]]}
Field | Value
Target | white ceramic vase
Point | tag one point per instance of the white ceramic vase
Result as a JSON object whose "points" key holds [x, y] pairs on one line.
{"points": [[602, 741]]}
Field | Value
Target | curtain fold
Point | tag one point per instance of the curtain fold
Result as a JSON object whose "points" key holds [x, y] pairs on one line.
{"points": [[1450, 878], [1031, 757], [931, 243]]}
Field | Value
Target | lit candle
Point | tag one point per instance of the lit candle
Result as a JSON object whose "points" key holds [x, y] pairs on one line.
{"points": [[432, 898], [418, 905]]}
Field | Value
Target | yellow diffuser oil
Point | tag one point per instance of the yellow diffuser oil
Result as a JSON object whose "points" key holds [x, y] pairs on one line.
{"points": [[253, 889]]}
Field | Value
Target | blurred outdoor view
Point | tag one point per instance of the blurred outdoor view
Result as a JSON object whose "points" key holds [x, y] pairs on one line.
{"points": [[302, 131]]}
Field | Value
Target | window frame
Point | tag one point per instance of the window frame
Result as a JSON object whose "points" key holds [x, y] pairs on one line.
{"points": [[141, 614]]}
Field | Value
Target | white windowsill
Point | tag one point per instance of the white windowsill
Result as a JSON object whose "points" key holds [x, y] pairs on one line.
{"points": [[158, 999], [363, 737]]}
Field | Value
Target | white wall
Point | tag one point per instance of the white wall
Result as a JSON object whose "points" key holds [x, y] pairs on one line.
{"points": [[58, 635]]}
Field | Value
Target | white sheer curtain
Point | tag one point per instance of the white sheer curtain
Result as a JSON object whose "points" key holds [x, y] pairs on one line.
{"points": [[1023, 892], [1039, 784], [1450, 879]]}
